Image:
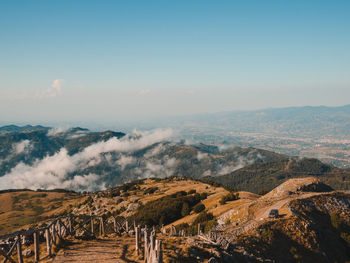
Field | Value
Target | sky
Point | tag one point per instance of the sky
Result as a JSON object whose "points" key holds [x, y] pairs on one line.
{"points": [[110, 61]]}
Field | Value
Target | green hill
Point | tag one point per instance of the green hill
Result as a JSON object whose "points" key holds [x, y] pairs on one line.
{"points": [[260, 177]]}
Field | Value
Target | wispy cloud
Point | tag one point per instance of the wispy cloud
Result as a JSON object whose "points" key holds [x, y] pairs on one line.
{"points": [[54, 91]]}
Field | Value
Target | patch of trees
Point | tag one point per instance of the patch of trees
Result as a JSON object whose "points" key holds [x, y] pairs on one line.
{"points": [[15, 190], [229, 197], [151, 190], [212, 182], [116, 191], [199, 208], [206, 220], [167, 209]]}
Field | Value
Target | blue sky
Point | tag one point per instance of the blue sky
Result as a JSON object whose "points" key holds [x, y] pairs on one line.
{"points": [[117, 60]]}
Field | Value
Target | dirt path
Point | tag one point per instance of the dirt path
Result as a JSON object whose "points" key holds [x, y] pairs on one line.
{"points": [[263, 213], [100, 250]]}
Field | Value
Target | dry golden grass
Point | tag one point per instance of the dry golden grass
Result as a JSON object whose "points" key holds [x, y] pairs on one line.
{"points": [[21, 209]]}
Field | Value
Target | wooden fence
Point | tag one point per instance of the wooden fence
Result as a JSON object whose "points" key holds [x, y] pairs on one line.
{"points": [[79, 226]]}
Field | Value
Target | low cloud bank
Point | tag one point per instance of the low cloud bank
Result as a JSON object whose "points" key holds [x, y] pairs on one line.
{"points": [[106, 163], [241, 162], [56, 171]]}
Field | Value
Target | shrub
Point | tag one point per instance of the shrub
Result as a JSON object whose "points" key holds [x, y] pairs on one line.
{"points": [[191, 192], [185, 209], [336, 221], [115, 193], [198, 208], [151, 190], [179, 194], [209, 225], [229, 197], [204, 196], [203, 217], [206, 220]]}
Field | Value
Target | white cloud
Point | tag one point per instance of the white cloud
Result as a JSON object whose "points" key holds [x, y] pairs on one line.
{"points": [[154, 151], [242, 162], [83, 182], [123, 161], [207, 173], [24, 146], [51, 92], [56, 131], [54, 91], [170, 162], [60, 130], [159, 168], [201, 155]]}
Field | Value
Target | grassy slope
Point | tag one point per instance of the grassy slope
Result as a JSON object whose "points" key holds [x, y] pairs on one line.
{"points": [[20, 209]]}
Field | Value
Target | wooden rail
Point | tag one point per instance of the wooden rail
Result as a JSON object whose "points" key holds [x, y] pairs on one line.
{"points": [[58, 228], [79, 226]]}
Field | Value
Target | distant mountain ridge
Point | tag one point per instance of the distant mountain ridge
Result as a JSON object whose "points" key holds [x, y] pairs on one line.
{"points": [[26, 128], [304, 121]]}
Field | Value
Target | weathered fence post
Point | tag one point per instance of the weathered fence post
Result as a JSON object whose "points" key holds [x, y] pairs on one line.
{"points": [[70, 224], [92, 224], [58, 229], [115, 225], [36, 246], [48, 245], [54, 233], [173, 230], [127, 226], [102, 229], [19, 249], [153, 249], [137, 239], [152, 242], [62, 228], [146, 243], [159, 252], [199, 229]]}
